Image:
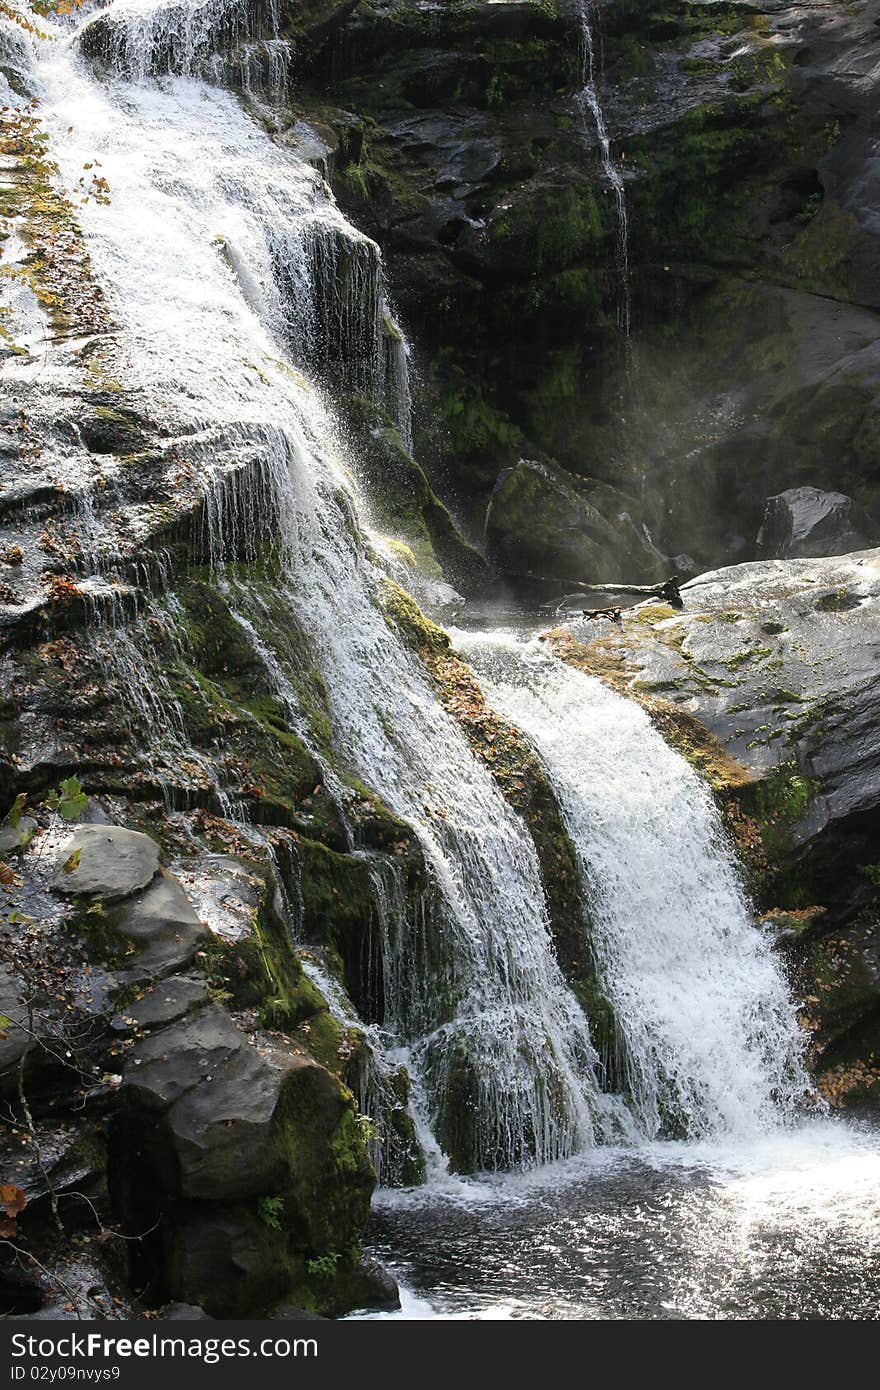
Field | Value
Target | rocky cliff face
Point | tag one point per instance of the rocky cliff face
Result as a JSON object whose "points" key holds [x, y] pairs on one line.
{"points": [[744, 135]]}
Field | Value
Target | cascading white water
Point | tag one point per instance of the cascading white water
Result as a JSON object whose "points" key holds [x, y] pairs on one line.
{"points": [[709, 1025], [342, 327], [204, 252], [588, 102], [140, 37]]}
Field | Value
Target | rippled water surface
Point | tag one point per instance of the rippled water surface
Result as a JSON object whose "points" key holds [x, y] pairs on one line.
{"points": [[783, 1228]]}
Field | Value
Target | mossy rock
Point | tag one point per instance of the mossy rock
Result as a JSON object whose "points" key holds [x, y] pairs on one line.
{"points": [[404, 503], [331, 1178], [838, 980], [262, 969]]}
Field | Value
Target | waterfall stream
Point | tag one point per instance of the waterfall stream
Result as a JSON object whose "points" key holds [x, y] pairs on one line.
{"points": [[712, 1042], [236, 285]]}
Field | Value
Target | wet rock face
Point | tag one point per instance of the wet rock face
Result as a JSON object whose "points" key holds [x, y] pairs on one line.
{"points": [[142, 48], [17, 1043], [541, 521], [236, 1144], [745, 138]]}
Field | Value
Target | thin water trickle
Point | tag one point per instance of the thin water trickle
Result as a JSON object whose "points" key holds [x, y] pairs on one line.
{"points": [[588, 102]]}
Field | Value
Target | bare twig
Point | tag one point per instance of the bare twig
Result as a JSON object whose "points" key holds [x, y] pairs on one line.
{"points": [[53, 1278], [32, 1135]]}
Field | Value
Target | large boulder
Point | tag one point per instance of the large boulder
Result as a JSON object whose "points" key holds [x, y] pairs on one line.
{"points": [[805, 521], [163, 927], [543, 521], [215, 1117], [227, 1262], [112, 862], [218, 1096], [256, 1148]]}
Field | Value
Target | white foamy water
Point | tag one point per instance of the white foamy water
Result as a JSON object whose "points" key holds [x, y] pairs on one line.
{"points": [[140, 37], [711, 1036], [786, 1226]]}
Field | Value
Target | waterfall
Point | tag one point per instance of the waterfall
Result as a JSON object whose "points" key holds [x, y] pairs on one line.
{"points": [[713, 1046], [589, 105], [240, 298], [205, 249]]}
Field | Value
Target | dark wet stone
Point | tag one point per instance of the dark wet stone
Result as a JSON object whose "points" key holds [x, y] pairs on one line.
{"points": [[165, 1003], [805, 521]]}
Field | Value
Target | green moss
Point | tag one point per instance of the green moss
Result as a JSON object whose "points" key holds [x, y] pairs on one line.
{"points": [[226, 699], [472, 421], [58, 270], [548, 228], [605, 1033], [262, 970], [403, 613], [783, 797], [762, 816], [651, 613], [98, 924], [695, 197], [331, 1177], [403, 501]]}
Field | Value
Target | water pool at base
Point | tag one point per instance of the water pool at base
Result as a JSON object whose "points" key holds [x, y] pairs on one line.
{"points": [[787, 1227]]}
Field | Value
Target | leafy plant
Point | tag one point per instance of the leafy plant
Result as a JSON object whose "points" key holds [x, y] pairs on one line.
{"points": [[270, 1210], [324, 1266], [367, 1127], [70, 801]]}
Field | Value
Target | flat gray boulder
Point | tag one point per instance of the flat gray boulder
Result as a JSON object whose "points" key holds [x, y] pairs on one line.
{"points": [[165, 1003], [780, 660], [113, 862]]}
